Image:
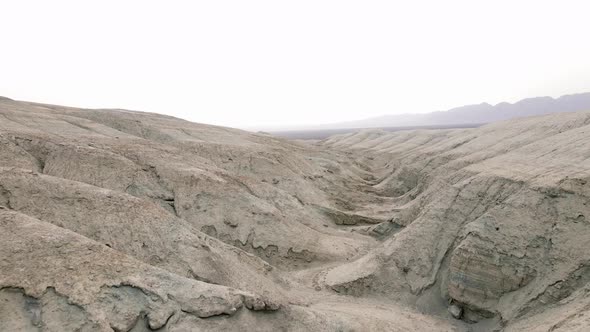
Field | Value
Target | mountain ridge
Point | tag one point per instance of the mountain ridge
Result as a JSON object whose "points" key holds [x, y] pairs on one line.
{"points": [[479, 113], [473, 114]]}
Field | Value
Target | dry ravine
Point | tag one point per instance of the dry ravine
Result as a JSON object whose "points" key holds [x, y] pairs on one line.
{"points": [[113, 220]]}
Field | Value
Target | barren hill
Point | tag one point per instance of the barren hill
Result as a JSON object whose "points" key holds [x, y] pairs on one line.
{"points": [[130, 221]]}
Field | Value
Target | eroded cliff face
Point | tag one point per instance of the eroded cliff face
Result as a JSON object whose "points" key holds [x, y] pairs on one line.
{"points": [[496, 224], [128, 221]]}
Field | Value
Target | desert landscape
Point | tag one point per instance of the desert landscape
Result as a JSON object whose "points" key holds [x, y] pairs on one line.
{"points": [[115, 220]]}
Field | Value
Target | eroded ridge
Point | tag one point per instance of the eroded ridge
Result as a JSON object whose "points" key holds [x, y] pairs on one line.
{"points": [[130, 221]]}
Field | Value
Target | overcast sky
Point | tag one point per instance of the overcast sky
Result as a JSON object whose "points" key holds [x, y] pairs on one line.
{"points": [[258, 63]]}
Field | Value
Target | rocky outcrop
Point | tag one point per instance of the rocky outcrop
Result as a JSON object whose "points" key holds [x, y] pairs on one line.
{"points": [[100, 288], [495, 225]]}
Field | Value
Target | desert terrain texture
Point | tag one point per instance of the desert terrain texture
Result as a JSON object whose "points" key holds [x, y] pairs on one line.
{"points": [[115, 220]]}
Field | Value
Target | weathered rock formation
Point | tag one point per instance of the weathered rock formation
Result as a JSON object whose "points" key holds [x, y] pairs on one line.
{"points": [[129, 221], [496, 222]]}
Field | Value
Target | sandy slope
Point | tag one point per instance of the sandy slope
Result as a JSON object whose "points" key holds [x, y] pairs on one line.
{"points": [[128, 221]]}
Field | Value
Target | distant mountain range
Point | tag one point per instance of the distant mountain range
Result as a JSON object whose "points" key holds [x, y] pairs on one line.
{"points": [[476, 114], [460, 117]]}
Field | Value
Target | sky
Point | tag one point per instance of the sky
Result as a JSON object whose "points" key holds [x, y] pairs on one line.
{"points": [[276, 64]]}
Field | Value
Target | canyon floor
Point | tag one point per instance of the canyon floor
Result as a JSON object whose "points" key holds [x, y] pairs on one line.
{"points": [[114, 220]]}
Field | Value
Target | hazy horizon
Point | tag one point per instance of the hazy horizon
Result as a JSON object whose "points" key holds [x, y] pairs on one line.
{"points": [[266, 64]]}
